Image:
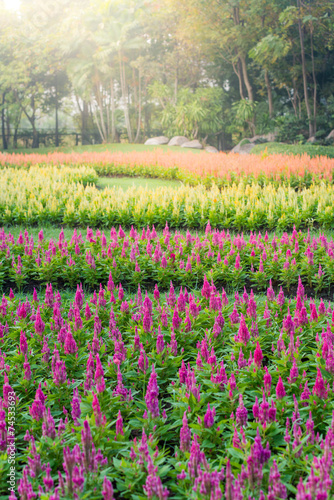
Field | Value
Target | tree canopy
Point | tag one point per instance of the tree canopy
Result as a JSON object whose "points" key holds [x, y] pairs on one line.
{"points": [[215, 70]]}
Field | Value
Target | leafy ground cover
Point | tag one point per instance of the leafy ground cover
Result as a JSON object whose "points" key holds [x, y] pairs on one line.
{"points": [[183, 395], [146, 257], [45, 195]]}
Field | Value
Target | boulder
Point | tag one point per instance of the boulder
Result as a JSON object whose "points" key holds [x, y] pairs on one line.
{"points": [[244, 147], [178, 140], [157, 141], [192, 144], [271, 137], [311, 140], [330, 135], [211, 149]]}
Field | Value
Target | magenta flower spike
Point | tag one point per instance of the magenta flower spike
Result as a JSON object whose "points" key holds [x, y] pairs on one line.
{"points": [[151, 397], [209, 417], [23, 343], [39, 324], [47, 480], [176, 321], [243, 332], [143, 361], [160, 345], [120, 292], [319, 387], [99, 420], [241, 413], [70, 345], [27, 369], [48, 426], [185, 435], [293, 372], [99, 376], [76, 411], [107, 489], [280, 391], [119, 425], [258, 356], [237, 265], [305, 395], [156, 293]]}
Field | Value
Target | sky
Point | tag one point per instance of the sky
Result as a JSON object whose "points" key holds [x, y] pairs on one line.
{"points": [[12, 4]]}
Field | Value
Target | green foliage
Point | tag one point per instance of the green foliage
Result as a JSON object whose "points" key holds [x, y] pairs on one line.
{"points": [[269, 49], [290, 128], [125, 71], [194, 114]]}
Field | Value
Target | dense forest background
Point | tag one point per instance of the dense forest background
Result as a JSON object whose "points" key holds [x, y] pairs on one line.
{"points": [[117, 70]]}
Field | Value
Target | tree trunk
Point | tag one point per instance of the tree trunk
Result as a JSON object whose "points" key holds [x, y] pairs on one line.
{"points": [[35, 138], [7, 127], [125, 96], [302, 50], [15, 137], [139, 107], [270, 94], [35, 134], [97, 121], [249, 90], [242, 62], [84, 124], [107, 106], [17, 121], [112, 105], [102, 128], [147, 116], [246, 80], [238, 72], [32, 118], [176, 82], [3, 124], [293, 99], [56, 106], [314, 85]]}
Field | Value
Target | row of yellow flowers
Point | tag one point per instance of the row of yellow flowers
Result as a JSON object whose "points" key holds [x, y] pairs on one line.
{"points": [[59, 195]]}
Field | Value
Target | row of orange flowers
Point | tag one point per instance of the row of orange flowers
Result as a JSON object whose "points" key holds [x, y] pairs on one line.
{"points": [[222, 165]]}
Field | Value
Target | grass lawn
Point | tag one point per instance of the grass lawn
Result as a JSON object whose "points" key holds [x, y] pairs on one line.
{"points": [[295, 149], [96, 148], [272, 147], [127, 182]]}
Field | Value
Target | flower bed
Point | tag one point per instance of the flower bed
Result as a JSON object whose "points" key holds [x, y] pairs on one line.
{"points": [[222, 168], [188, 395], [144, 257], [35, 197]]}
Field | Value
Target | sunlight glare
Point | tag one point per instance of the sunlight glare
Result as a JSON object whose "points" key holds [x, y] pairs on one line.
{"points": [[12, 4]]}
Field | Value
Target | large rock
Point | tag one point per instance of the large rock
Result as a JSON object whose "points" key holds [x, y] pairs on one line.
{"points": [[157, 141], [271, 137], [178, 140], [192, 144], [244, 147], [312, 139], [211, 149], [330, 135]]}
